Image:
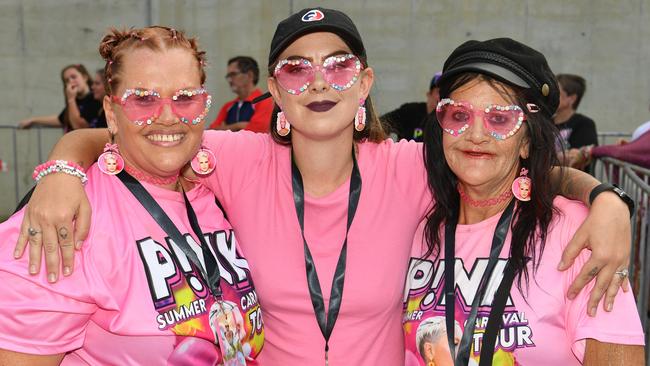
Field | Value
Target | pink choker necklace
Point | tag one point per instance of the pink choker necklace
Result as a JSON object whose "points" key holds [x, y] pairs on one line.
{"points": [[485, 203], [144, 177]]}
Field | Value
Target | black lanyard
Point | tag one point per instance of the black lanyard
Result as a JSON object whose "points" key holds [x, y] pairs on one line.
{"points": [[498, 304], [209, 273], [325, 322]]}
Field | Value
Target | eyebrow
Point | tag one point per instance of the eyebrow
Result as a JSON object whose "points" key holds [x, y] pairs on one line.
{"points": [[335, 53]]}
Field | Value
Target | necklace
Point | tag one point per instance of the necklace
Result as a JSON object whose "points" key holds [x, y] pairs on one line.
{"points": [[144, 177], [484, 203]]}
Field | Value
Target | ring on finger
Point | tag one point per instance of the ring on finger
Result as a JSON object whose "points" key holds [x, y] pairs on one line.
{"points": [[623, 273], [32, 231]]}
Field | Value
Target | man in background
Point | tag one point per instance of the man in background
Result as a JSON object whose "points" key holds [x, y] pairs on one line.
{"points": [[407, 121], [240, 113]]}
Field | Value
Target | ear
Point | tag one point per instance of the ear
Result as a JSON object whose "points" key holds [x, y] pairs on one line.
{"points": [[572, 99], [428, 351], [366, 79], [111, 119], [274, 89]]}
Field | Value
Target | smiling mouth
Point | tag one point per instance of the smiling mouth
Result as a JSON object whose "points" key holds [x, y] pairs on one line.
{"points": [[322, 106], [477, 154], [160, 137]]}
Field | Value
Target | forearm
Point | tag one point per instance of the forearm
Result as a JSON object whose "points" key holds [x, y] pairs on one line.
{"points": [[233, 126], [51, 120], [76, 121], [603, 354], [80, 146], [23, 359], [574, 184], [237, 126]]}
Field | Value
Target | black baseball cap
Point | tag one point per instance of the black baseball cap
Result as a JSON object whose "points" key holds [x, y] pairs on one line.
{"points": [[312, 20], [508, 61]]}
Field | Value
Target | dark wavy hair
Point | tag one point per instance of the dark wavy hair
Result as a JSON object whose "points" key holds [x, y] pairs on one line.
{"points": [[531, 219]]}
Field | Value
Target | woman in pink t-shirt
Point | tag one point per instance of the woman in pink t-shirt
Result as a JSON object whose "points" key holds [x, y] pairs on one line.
{"points": [[498, 220], [332, 198], [162, 285]]}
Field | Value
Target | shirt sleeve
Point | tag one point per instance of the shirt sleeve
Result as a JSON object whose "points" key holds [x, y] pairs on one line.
{"points": [[238, 157], [38, 317], [584, 133], [621, 326], [411, 175], [261, 119]]}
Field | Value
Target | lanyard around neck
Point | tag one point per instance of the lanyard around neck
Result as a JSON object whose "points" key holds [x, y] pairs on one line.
{"points": [[498, 305], [325, 321], [210, 274]]}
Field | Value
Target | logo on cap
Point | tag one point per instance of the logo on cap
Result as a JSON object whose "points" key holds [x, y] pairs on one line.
{"points": [[313, 16]]}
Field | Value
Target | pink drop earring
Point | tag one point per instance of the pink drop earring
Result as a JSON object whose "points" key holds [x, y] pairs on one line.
{"points": [[522, 185], [360, 117], [282, 125], [203, 162], [110, 161]]}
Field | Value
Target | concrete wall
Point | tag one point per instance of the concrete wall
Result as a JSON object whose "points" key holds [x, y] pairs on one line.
{"points": [[606, 41]]}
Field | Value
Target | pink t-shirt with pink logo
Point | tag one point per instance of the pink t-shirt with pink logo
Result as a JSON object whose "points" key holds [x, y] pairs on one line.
{"points": [[134, 297], [252, 179], [541, 328]]}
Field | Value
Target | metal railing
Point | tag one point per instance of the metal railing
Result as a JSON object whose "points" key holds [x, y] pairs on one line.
{"points": [[611, 137], [20, 152], [634, 180]]}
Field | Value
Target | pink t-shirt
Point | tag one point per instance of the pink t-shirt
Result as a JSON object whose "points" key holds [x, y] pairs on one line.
{"points": [[134, 298], [253, 182], [542, 328]]}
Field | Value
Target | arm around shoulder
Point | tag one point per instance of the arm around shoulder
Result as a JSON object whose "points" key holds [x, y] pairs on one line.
{"points": [[604, 354], [10, 358]]}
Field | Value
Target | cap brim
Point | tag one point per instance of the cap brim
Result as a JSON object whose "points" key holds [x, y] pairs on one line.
{"points": [[493, 70], [313, 28]]}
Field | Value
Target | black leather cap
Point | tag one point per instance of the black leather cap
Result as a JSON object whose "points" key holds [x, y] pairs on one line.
{"points": [[508, 61]]}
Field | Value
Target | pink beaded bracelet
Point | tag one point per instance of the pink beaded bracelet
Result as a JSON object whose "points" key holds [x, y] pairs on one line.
{"points": [[59, 166]]}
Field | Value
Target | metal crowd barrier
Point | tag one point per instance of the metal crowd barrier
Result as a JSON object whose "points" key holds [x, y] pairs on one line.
{"points": [[635, 180], [20, 152]]}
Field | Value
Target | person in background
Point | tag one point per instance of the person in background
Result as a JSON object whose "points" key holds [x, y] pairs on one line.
{"points": [[240, 113], [80, 105], [99, 90], [407, 121], [576, 130]]}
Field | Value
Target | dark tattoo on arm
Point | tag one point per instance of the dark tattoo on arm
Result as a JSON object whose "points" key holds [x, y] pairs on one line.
{"points": [[574, 184]]}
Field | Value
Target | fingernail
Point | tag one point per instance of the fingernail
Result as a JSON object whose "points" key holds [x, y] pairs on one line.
{"points": [[560, 266], [609, 306], [16, 254], [51, 278], [592, 311], [78, 244], [571, 295], [66, 271], [32, 269]]}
